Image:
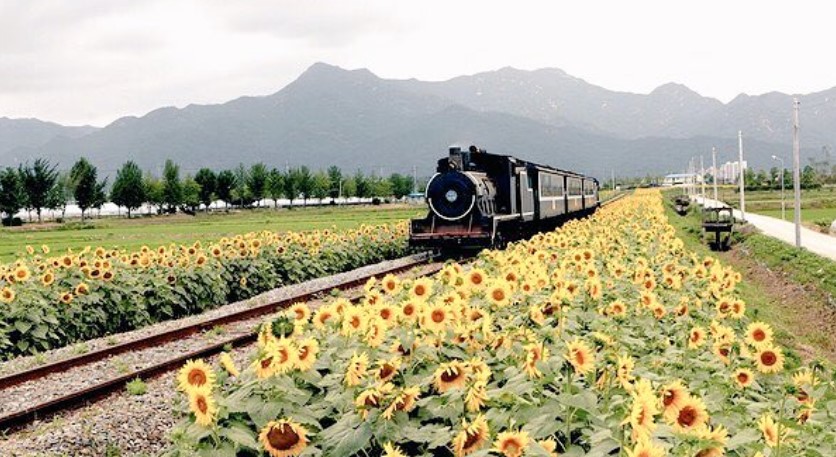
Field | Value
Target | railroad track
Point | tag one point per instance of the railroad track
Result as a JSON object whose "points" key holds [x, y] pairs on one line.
{"points": [[17, 419]]}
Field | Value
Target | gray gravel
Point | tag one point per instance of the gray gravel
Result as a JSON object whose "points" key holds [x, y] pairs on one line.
{"points": [[124, 424]]}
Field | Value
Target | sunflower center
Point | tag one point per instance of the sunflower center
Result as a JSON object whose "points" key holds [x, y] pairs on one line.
{"points": [[386, 370], [498, 294], [769, 358], [687, 416], [472, 440], [303, 353], [668, 397], [476, 279], [742, 378], [408, 310], [695, 337], [201, 404], [759, 335], [579, 357], [420, 290], [197, 377], [386, 313], [511, 447], [282, 437], [438, 316], [355, 322], [450, 375], [265, 363]]}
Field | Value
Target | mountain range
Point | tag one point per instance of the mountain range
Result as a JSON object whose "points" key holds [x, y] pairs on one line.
{"points": [[356, 120]]}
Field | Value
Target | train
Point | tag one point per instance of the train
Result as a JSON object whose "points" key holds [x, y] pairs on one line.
{"points": [[481, 200]]}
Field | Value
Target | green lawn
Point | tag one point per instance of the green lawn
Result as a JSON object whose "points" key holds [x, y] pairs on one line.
{"points": [[158, 230], [807, 215]]}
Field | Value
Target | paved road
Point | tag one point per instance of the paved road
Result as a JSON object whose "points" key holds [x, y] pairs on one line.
{"points": [[821, 244]]}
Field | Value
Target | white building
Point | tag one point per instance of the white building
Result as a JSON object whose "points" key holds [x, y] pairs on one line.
{"points": [[679, 179], [728, 173]]}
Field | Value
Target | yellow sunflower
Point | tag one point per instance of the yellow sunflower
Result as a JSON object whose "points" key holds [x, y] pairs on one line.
{"points": [[300, 312], [356, 369], [674, 395], [475, 278], [196, 375], [696, 338], [534, 353], [391, 284], [307, 352], [758, 333], [581, 356], [229, 365], [743, 377], [769, 359], [472, 436], [7, 295], [203, 406], [421, 289], [436, 317], [644, 447], [390, 450], [450, 375], [511, 444], [498, 293], [283, 438], [770, 430], [691, 416], [48, 278]]}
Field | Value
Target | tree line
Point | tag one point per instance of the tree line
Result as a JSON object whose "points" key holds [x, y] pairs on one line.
{"points": [[42, 186]]}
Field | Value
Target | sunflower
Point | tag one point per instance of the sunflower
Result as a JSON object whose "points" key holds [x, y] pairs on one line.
{"points": [[770, 430], [387, 369], [743, 377], [300, 312], [641, 416], [82, 289], [195, 375], [450, 375], [7, 295], [229, 365], [673, 395], [22, 274], [203, 406], [758, 333], [409, 311], [405, 401], [498, 293], [696, 338], [475, 278], [476, 396], [356, 369], [283, 438], [534, 353], [437, 317], [624, 369], [307, 352], [769, 359], [691, 416], [421, 289], [48, 278], [472, 436], [323, 315], [581, 356], [353, 320], [391, 284], [645, 448], [616, 308], [285, 355], [511, 444], [390, 450]]}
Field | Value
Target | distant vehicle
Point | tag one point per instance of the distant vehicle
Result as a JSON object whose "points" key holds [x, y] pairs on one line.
{"points": [[479, 200]]}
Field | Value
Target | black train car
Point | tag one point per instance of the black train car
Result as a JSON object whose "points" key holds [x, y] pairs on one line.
{"points": [[478, 200]]}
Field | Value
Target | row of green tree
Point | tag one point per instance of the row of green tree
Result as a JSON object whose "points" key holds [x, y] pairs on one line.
{"points": [[771, 180], [41, 186]]}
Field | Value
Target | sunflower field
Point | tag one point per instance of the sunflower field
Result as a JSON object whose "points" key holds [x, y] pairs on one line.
{"points": [[49, 301], [605, 337]]}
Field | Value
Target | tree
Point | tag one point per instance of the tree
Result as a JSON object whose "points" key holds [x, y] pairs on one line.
{"points": [[240, 191], [401, 185], [320, 185], [305, 181], [86, 187], [257, 181], [809, 178], [349, 187], [379, 187], [336, 177], [224, 184], [59, 194], [275, 186], [154, 192], [12, 193], [172, 188], [291, 185], [361, 185], [191, 195], [206, 179], [128, 189], [37, 181]]}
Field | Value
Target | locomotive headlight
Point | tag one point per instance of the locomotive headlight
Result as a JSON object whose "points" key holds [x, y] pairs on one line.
{"points": [[451, 195]]}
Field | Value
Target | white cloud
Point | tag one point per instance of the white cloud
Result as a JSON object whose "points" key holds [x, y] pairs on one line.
{"points": [[91, 61]]}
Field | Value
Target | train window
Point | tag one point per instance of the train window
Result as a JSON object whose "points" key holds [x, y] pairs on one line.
{"points": [[530, 182]]}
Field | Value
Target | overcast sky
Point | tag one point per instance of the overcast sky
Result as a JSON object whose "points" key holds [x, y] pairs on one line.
{"points": [[92, 61]]}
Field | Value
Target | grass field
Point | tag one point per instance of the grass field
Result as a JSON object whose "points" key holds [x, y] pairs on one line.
{"points": [[155, 231], [807, 215]]}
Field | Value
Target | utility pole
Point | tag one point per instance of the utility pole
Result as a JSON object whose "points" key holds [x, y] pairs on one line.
{"points": [[796, 171], [714, 172], [740, 166], [414, 179], [783, 205], [612, 172], [702, 179]]}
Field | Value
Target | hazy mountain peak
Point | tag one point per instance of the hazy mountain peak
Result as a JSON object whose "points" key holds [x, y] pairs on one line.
{"points": [[674, 89]]}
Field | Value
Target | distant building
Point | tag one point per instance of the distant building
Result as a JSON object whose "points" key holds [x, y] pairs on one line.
{"points": [[679, 179], [728, 173]]}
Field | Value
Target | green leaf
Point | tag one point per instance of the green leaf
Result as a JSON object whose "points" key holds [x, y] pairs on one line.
{"points": [[742, 438], [22, 326], [240, 434], [349, 435]]}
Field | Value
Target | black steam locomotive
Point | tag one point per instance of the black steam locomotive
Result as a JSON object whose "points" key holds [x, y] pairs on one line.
{"points": [[479, 200]]}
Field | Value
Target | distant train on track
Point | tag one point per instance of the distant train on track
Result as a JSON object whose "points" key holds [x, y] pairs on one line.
{"points": [[479, 200]]}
